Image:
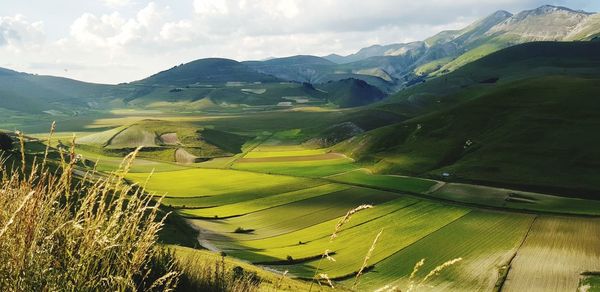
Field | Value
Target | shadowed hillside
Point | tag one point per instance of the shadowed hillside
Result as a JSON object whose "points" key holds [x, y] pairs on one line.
{"points": [[522, 116]]}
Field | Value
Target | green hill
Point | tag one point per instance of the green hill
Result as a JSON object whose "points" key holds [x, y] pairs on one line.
{"points": [[207, 71], [167, 141], [524, 116], [351, 92], [35, 94]]}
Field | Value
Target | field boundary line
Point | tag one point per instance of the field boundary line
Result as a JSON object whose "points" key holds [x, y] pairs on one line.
{"points": [[436, 187], [413, 243], [312, 225], [344, 188], [116, 134], [345, 172], [426, 196], [244, 153], [350, 228], [502, 280]]}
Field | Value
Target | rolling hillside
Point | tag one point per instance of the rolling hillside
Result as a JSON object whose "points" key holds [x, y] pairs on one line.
{"points": [[35, 94], [167, 141], [351, 92], [296, 68], [521, 117], [208, 72]]}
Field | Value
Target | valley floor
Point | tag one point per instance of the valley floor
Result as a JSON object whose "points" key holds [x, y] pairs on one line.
{"points": [[278, 202], [279, 210]]}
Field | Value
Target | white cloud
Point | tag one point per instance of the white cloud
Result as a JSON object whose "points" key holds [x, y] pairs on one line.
{"points": [[17, 33], [115, 31]]}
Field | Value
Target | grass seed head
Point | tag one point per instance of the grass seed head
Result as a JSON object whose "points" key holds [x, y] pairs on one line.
{"points": [[346, 219]]}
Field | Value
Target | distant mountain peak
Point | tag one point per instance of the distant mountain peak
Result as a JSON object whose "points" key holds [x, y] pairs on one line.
{"points": [[501, 14], [548, 9]]}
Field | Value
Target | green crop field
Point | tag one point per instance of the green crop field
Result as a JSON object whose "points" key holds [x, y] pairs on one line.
{"points": [[261, 153], [209, 182], [277, 201], [255, 205], [485, 241], [311, 168], [396, 183], [297, 215]]}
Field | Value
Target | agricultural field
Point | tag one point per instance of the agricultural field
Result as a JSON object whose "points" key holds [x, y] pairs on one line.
{"points": [[555, 254], [511, 199], [294, 160], [484, 240], [390, 182], [266, 198], [285, 222], [210, 182]]}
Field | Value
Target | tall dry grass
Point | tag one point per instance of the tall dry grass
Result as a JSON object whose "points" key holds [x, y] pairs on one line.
{"points": [[59, 232], [320, 277], [210, 275]]}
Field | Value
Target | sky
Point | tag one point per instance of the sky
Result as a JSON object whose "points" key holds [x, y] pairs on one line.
{"points": [[113, 41]]}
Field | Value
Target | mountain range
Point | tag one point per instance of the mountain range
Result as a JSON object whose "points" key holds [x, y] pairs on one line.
{"points": [[387, 68]]}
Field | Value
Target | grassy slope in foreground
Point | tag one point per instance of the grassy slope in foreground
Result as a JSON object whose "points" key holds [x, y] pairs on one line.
{"points": [[199, 260]]}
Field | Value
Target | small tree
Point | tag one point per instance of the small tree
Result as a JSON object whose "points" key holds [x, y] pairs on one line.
{"points": [[6, 143]]}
